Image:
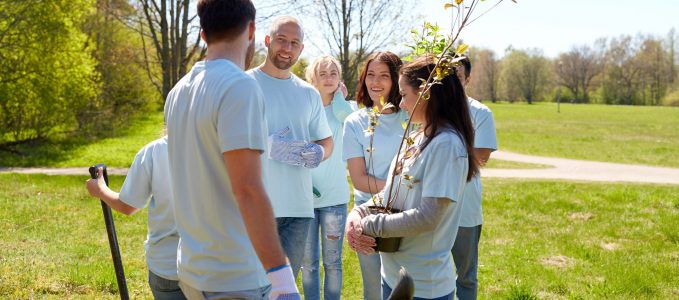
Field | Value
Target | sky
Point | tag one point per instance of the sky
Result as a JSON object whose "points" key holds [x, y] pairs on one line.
{"points": [[556, 26]]}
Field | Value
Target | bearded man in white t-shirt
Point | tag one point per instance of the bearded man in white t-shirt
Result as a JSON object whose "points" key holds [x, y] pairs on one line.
{"points": [[216, 134], [300, 136]]}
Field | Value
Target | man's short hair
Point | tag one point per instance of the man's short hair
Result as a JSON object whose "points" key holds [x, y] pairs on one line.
{"points": [[467, 66], [276, 24], [224, 19]]}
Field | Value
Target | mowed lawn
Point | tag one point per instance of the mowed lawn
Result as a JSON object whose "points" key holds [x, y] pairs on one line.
{"points": [[541, 239], [118, 150], [622, 134], [610, 133]]}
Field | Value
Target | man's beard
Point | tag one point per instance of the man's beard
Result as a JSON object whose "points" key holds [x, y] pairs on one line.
{"points": [[281, 65], [250, 54]]}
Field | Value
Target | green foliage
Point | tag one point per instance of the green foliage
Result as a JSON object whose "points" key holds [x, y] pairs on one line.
{"points": [[47, 75], [524, 75], [428, 41], [300, 67], [126, 90]]}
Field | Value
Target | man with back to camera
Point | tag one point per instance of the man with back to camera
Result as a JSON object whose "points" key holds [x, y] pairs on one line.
{"points": [[216, 134], [300, 135], [466, 248]]}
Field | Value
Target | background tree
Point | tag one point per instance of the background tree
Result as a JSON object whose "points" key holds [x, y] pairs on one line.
{"points": [[170, 27], [125, 88], [576, 69], [47, 74], [355, 28], [524, 75], [485, 74], [621, 79]]}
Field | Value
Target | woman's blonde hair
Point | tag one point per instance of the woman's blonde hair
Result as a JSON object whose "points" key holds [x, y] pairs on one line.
{"points": [[312, 69]]}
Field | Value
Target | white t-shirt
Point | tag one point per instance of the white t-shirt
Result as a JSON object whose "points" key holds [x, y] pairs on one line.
{"points": [[440, 171], [484, 137], [148, 183], [214, 109], [387, 138], [295, 104], [330, 178]]}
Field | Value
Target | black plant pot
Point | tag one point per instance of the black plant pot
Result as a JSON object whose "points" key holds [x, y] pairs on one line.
{"points": [[387, 245]]}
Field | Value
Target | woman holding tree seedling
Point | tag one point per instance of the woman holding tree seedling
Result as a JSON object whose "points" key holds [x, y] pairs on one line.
{"points": [[429, 175]]}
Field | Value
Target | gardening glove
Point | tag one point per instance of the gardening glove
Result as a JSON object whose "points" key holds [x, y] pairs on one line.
{"points": [[283, 285], [312, 155], [286, 150]]}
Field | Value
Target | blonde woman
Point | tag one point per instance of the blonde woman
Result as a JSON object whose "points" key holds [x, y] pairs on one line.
{"points": [[331, 190]]}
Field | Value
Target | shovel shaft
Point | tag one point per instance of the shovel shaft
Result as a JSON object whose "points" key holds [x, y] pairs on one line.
{"points": [[112, 238]]}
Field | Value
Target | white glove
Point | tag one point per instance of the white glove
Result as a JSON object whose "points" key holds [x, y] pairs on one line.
{"points": [[312, 155], [294, 152], [283, 285], [284, 149]]}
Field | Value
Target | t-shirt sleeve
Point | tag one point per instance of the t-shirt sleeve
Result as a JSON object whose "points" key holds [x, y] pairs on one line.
{"points": [[351, 146], [445, 175], [485, 135], [318, 127], [136, 189], [240, 117]]}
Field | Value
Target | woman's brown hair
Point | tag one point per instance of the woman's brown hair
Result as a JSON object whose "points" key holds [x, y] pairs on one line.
{"points": [[394, 63], [447, 106]]}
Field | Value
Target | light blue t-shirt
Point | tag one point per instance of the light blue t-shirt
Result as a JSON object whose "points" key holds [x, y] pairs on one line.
{"points": [[439, 171], [387, 138], [330, 178], [148, 183], [215, 108], [295, 104], [484, 137]]}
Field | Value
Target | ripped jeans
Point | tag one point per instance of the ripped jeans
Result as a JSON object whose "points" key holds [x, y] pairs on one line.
{"points": [[330, 221]]}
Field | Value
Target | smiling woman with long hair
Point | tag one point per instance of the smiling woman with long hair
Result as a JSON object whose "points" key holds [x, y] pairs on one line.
{"points": [[430, 180], [369, 149]]}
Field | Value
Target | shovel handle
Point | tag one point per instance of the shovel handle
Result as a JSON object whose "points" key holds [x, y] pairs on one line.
{"points": [[112, 237]]}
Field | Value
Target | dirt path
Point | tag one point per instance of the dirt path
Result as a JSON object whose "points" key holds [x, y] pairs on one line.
{"points": [[568, 169], [571, 169]]}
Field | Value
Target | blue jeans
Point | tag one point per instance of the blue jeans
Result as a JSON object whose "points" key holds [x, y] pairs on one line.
{"points": [[330, 220], [254, 294], [371, 273], [165, 289], [386, 292], [466, 256], [293, 232]]}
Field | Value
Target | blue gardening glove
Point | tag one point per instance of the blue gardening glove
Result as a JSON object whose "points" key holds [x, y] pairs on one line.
{"points": [[312, 155], [286, 150], [283, 285]]}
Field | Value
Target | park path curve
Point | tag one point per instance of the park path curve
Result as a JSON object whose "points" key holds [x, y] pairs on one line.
{"points": [[565, 169], [572, 169]]}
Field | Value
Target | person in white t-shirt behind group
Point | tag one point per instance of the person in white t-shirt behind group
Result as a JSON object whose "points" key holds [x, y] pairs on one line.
{"points": [[466, 249], [148, 183]]}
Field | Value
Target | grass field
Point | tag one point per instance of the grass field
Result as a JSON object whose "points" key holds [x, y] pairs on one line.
{"points": [[115, 151], [546, 239], [622, 134]]}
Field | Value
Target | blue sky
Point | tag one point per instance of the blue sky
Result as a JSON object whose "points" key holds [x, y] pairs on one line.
{"points": [[555, 26]]}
